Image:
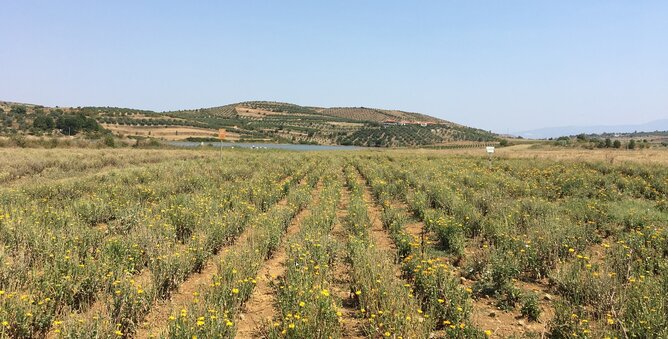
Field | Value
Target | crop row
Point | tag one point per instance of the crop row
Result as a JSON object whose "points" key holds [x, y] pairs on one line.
{"points": [[306, 306], [386, 304], [103, 233], [592, 234]]}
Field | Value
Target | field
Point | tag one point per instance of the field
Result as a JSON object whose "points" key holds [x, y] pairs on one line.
{"points": [[400, 244], [169, 133]]}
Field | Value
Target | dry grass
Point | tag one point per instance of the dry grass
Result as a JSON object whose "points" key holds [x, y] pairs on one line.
{"points": [[613, 156], [168, 133], [657, 156], [346, 124], [254, 112], [24, 165]]}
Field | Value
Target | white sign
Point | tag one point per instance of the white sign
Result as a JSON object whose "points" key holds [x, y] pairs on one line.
{"points": [[490, 149]]}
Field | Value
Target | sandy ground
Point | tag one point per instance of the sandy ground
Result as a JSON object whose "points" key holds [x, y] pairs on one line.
{"points": [[255, 113], [168, 133], [346, 124]]}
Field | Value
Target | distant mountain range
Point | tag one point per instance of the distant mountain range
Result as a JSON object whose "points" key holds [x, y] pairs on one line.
{"points": [[555, 132]]}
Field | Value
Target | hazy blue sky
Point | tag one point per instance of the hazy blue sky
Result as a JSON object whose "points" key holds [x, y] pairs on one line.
{"points": [[499, 65]]}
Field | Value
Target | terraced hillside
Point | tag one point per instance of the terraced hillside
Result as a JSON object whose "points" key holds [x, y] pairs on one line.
{"points": [[253, 121], [380, 115]]}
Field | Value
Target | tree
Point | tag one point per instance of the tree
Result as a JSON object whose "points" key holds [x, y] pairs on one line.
{"points": [[109, 141], [68, 124], [73, 124], [608, 143], [43, 122], [632, 144], [617, 144], [16, 109]]}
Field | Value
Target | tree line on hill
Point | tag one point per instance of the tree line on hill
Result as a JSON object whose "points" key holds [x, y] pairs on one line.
{"points": [[38, 120], [594, 142]]}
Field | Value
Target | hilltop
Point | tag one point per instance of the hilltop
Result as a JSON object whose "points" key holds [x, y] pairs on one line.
{"points": [[632, 130], [252, 121]]}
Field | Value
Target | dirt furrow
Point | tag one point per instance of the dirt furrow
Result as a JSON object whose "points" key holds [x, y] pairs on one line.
{"points": [[351, 324], [259, 309], [158, 317], [379, 235], [486, 314], [178, 298]]}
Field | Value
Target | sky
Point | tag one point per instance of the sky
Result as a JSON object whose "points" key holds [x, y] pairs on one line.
{"points": [[498, 65]]}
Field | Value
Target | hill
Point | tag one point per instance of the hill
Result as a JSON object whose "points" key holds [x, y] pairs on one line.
{"points": [[555, 132], [252, 121]]}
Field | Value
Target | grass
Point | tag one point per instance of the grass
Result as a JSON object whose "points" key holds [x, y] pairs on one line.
{"points": [[92, 241]]}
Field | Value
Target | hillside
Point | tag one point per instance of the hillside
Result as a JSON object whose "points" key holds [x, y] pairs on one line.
{"points": [[253, 121], [643, 130]]}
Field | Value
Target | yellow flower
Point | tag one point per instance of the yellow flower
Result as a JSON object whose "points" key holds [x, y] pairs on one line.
{"points": [[488, 332], [325, 293], [302, 304], [291, 325], [235, 291], [229, 323], [118, 333]]}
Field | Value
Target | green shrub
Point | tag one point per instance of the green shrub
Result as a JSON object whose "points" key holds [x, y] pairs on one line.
{"points": [[530, 306]]}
